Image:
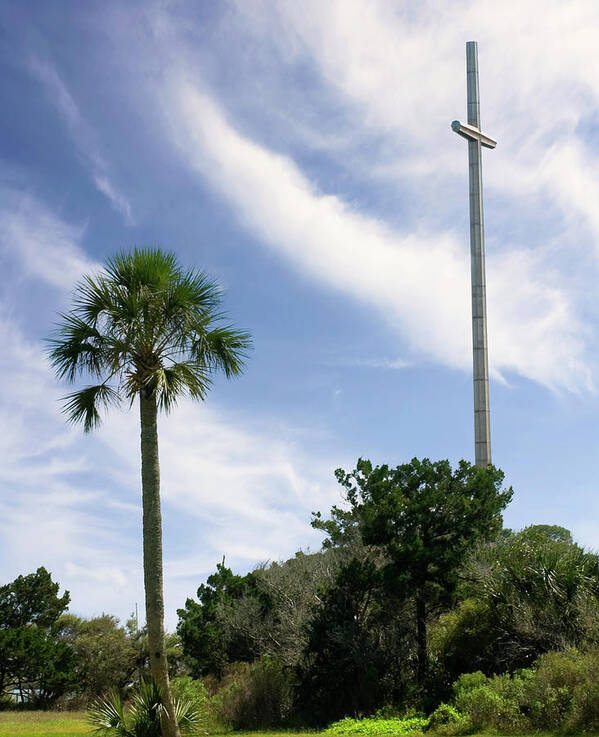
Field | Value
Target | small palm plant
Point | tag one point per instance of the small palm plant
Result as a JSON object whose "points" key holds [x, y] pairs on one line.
{"points": [[147, 330], [143, 718]]}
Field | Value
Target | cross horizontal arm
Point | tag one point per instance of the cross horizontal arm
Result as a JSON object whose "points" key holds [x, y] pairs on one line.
{"points": [[472, 133]]}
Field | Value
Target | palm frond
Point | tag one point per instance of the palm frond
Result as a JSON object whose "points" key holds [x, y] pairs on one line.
{"points": [[76, 348], [93, 298], [146, 710], [197, 291], [222, 349], [149, 267], [190, 720], [107, 717], [181, 378], [149, 325], [82, 406]]}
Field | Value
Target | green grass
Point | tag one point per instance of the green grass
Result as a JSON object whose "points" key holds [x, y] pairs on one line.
{"points": [[43, 724], [74, 724]]}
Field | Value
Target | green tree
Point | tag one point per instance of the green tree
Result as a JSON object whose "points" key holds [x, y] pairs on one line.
{"points": [[106, 654], [31, 599], [34, 661], [208, 642], [357, 647], [145, 329], [426, 518]]}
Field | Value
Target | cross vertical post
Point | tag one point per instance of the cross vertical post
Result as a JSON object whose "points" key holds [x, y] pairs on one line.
{"points": [[480, 362]]}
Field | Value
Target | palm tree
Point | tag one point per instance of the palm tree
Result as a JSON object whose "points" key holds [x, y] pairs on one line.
{"points": [[145, 328]]}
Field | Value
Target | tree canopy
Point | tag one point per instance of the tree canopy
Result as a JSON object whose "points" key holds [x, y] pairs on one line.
{"points": [[426, 518]]}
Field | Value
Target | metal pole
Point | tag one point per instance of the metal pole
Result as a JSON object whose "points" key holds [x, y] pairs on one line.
{"points": [[482, 428]]}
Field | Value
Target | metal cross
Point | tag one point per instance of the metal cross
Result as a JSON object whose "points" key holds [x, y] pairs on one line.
{"points": [[476, 139]]}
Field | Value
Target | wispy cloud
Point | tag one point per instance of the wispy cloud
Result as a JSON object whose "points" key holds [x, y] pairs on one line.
{"points": [[227, 485], [233, 485], [42, 245], [383, 363], [83, 136], [418, 281], [400, 72]]}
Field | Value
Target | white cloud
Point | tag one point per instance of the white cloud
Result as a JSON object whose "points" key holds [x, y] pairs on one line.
{"points": [[419, 281], [401, 71], [83, 136], [118, 201], [42, 245], [70, 502], [384, 363]]}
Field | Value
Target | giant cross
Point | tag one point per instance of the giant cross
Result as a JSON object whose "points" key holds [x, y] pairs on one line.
{"points": [[476, 140]]}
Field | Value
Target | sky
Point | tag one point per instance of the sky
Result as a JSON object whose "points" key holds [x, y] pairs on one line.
{"points": [[301, 154]]}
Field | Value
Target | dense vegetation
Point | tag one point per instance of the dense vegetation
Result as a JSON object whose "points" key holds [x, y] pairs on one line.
{"points": [[420, 610], [417, 583]]}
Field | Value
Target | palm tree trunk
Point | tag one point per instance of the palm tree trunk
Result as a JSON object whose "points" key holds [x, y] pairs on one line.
{"points": [[152, 543]]}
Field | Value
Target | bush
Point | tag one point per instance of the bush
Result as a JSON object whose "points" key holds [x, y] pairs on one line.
{"points": [[468, 682], [492, 702], [110, 718], [378, 726], [447, 720], [256, 695], [560, 693], [563, 694], [192, 691]]}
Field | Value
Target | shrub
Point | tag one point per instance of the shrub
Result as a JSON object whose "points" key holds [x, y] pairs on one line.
{"points": [[563, 694], [109, 717], [492, 702], [192, 691], [378, 726], [483, 706], [447, 720], [258, 695], [6, 702], [468, 682]]}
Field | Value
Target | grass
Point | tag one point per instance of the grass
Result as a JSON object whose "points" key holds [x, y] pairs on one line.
{"points": [[74, 724], [44, 724]]}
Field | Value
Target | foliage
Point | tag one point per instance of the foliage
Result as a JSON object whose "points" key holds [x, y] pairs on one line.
{"points": [[266, 612], [492, 706], [31, 600], [207, 644], [564, 693], [275, 614], [255, 695], [106, 656], [193, 691], [378, 726], [34, 661], [528, 593], [110, 718], [143, 326], [355, 650], [560, 693], [447, 720], [186, 688], [426, 518]]}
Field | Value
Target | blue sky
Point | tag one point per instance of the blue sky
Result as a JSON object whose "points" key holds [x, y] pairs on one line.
{"points": [[301, 154]]}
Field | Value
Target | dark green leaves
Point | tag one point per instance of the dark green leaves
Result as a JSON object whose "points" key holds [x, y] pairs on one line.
{"points": [[144, 324], [82, 406]]}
